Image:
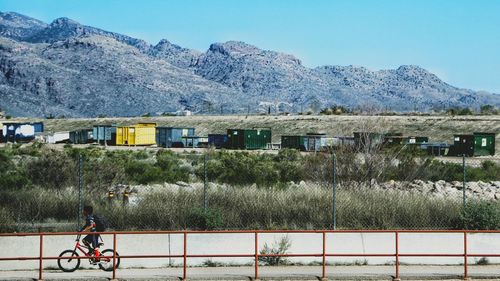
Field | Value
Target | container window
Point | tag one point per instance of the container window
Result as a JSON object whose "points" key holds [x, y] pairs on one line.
{"points": [[483, 142]]}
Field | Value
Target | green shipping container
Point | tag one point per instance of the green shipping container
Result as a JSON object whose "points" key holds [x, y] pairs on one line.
{"points": [[418, 140], [462, 145], [293, 142], [484, 144], [248, 139]]}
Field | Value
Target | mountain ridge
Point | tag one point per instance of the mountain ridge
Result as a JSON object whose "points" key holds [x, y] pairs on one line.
{"points": [[64, 68]]}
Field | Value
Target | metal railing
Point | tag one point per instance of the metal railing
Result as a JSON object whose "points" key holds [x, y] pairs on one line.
{"points": [[256, 254]]}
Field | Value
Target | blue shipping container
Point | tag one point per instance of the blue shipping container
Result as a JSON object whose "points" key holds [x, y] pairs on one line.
{"points": [[217, 140], [38, 127], [104, 134], [18, 132], [172, 137]]}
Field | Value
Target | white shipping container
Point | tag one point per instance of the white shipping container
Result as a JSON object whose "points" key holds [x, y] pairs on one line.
{"points": [[58, 137]]}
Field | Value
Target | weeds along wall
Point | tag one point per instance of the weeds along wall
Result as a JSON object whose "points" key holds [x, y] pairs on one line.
{"points": [[219, 189]]}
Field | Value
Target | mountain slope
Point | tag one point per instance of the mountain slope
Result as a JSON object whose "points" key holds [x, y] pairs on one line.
{"points": [[175, 54], [66, 68], [96, 75], [19, 27]]}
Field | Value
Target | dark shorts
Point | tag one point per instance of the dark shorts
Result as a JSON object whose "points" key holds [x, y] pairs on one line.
{"points": [[91, 239]]}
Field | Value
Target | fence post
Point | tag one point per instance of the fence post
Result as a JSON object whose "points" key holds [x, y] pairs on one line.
{"points": [[323, 276], [466, 270], [114, 256], [184, 266], [397, 278], [256, 256], [80, 187], [464, 194], [40, 262], [334, 182], [205, 184]]}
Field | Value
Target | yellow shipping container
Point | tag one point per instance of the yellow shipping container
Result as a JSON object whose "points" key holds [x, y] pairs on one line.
{"points": [[140, 134]]}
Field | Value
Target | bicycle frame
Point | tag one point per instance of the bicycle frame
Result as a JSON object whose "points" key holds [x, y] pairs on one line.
{"points": [[84, 249]]}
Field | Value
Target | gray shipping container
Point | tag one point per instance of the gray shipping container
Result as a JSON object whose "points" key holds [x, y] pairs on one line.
{"points": [[81, 136], [104, 134], [172, 137]]}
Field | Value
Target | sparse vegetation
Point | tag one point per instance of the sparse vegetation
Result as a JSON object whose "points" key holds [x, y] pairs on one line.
{"points": [[247, 190], [280, 247]]}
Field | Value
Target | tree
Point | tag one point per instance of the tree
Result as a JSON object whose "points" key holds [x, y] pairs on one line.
{"points": [[488, 109]]}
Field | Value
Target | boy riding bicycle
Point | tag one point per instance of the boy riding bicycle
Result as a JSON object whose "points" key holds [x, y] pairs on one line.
{"points": [[91, 240]]}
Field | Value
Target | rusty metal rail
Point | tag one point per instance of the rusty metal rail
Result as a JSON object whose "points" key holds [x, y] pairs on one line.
{"points": [[255, 255]]}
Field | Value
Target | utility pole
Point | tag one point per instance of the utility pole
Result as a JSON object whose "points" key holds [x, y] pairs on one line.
{"points": [[205, 186], [334, 159], [463, 191], [80, 188]]}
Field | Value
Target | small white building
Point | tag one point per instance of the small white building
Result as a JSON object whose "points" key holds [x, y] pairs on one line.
{"points": [[184, 113]]}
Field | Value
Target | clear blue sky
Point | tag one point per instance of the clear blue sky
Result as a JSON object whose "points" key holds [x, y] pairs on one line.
{"points": [[458, 40]]}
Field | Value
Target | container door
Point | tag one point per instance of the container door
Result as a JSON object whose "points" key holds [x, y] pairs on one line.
{"points": [[311, 144], [131, 136], [119, 136]]}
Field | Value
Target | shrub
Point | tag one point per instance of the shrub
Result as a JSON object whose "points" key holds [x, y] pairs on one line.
{"points": [[7, 223], [53, 169], [280, 247], [13, 179], [142, 173], [209, 220], [482, 215], [172, 169]]}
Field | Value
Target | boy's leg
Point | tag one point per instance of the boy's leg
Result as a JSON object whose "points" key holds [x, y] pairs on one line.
{"points": [[87, 241], [95, 241]]}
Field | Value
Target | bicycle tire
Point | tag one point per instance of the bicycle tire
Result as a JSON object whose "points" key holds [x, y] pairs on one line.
{"points": [[110, 253], [76, 261]]}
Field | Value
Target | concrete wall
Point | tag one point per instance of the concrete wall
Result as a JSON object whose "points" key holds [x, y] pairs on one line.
{"points": [[301, 243]]}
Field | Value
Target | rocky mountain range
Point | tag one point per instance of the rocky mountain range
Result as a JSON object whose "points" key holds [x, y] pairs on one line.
{"points": [[66, 68]]}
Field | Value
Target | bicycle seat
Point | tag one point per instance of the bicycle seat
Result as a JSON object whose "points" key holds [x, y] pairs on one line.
{"points": [[100, 244]]}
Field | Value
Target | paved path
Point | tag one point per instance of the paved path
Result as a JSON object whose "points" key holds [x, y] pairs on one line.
{"points": [[490, 272]]}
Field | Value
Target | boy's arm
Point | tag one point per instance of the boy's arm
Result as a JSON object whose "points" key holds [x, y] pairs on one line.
{"points": [[86, 229]]}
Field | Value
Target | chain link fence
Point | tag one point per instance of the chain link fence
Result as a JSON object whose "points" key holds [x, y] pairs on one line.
{"points": [[366, 187]]}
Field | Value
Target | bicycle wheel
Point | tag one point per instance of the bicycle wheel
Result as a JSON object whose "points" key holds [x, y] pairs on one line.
{"points": [[106, 264], [68, 263]]}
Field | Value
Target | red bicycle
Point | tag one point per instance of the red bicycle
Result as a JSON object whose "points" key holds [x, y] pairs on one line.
{"points": [[69, 260]]}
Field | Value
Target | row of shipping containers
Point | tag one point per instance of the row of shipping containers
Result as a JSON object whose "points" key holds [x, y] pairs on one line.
{"points": [[476, 144], [145, 134]]}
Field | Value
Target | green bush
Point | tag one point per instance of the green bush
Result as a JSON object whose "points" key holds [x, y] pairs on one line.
{"points": [[172, 168], [53, 169], [245, 168], [14, 179], [482, 215], [142, 173], [7, 222], [209, 220]]}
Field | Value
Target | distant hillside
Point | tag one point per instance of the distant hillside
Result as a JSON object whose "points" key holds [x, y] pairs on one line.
{"points": [[66, 68]]}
